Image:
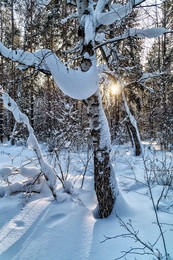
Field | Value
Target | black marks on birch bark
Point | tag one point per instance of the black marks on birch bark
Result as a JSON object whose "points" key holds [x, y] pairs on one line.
{"points": [[102, 169]]}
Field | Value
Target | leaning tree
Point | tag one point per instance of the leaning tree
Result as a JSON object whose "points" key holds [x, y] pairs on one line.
{"points": [[84, 83]]}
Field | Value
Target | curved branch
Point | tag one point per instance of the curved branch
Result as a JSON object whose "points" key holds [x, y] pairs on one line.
{"points": [[76, 84]]}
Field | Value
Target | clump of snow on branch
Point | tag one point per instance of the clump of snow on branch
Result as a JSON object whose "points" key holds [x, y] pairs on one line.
{"points": [[5, 172], [68, 186], [30, 172]]}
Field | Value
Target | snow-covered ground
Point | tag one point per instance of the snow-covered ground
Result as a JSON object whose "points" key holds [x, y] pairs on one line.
{"points": [[41, 228]]}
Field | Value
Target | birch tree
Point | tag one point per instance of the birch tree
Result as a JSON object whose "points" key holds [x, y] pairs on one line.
{"points": [[83, 84]]}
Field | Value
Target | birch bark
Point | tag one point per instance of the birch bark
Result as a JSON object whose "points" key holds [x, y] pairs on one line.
{"points": [[104, 177]]}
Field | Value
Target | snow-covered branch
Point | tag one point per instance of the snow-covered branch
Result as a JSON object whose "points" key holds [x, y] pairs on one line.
{"points": [[47, 170], [136, 33], [76, 84], [115, 7], [147, 76], [118, 13]]}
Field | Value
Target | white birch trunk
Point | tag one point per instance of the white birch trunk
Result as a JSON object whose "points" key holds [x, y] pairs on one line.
{"points": [[104, 177]]}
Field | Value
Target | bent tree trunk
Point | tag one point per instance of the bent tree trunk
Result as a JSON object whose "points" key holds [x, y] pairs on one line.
{"points": [[131, 124], [132, 128], [104, 177], [134, 138]]}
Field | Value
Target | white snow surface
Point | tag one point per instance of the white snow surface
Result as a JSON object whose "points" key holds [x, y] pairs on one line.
{"points": [[43, 228]]}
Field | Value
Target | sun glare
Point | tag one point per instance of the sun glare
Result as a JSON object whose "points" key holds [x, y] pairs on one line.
{"points": [[115, 89]]}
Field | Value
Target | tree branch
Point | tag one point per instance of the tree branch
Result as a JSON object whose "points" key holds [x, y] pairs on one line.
{"points": [[74, 83], [138, 2], [136, 33]]}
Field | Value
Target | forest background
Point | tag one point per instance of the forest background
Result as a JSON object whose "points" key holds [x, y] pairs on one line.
{"points": [[61, 121]]}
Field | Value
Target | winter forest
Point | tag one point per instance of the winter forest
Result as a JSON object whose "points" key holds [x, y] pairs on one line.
{"points": [[86, 129]]}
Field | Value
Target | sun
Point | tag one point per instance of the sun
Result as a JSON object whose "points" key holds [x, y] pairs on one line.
{"points": [[115, 89]]}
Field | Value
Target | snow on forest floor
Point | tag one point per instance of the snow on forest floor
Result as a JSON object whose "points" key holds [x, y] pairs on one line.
{"points": [[43, 229]]}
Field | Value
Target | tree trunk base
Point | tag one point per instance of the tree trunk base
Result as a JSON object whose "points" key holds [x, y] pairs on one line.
{"points": [[103, 187]]}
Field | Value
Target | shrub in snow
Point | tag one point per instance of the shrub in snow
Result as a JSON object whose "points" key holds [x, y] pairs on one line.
{"points": [[32, 183]]}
